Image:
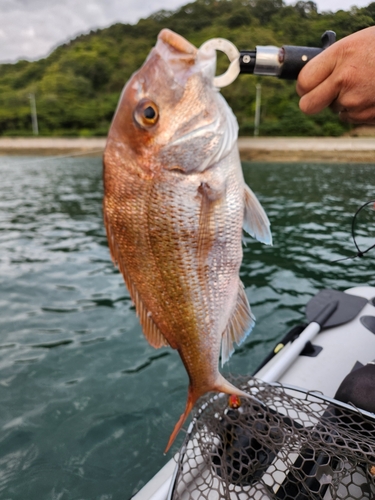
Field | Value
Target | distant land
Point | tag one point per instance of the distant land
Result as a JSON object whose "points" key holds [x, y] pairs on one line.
{"points": [[76, 88]]}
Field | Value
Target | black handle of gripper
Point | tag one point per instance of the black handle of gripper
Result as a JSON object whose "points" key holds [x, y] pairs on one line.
{"points": [[294, 58]]}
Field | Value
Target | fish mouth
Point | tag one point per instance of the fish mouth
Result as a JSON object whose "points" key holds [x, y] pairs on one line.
{"points": [[177, 42], [182, 58], [218, 129]]}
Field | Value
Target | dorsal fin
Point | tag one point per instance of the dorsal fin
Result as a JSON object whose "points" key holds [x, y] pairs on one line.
{"points": [[150, 329], [239, 325], [256, 222]]}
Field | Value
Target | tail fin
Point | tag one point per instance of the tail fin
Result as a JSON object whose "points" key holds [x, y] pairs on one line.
{"points": [[191, 400], [221, 385]]}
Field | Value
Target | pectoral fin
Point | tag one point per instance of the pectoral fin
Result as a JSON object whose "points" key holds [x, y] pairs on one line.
{"points": [[239, 326], [256, 222], [209, 197]]}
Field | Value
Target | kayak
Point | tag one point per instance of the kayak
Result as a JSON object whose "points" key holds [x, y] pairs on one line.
{"points": [[308, 427]]}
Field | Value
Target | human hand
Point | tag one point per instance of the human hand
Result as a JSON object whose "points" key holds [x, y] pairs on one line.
{"points": [[343, 78]]}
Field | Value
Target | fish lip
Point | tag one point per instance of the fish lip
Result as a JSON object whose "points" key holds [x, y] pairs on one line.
{"points": [[182, 58], [177, 42], [177, 52]]}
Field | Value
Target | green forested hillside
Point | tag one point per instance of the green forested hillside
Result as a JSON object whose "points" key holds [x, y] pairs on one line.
{"points": [[77, 86]]}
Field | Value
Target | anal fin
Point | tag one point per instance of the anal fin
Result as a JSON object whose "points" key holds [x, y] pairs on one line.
{"points": [[239, 325]]}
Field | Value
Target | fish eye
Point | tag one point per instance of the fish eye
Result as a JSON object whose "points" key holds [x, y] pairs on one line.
{"points": [[149, 113], [146, 113]]}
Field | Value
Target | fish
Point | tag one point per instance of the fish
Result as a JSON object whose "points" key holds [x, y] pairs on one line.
{"points": [[175, 205]]}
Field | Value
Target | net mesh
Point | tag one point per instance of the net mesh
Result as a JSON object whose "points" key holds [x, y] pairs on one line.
{"points": [[281, 443]]}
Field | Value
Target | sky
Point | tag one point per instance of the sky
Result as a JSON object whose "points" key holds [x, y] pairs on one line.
{"points": [[30, 29]]}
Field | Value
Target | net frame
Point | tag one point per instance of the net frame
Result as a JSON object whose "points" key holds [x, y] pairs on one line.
{"points": [[284, 442]]}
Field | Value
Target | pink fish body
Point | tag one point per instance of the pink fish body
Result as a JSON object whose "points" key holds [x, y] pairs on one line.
{"points": [[175, 203]]}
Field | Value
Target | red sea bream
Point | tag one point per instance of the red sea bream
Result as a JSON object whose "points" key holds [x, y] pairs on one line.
{"points": [[175, 204]]}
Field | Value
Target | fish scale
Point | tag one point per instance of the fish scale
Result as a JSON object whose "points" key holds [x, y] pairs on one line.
{"points": [[174, 205]]}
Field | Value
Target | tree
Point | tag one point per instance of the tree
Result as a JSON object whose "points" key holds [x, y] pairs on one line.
{"points": [[306, 9], [265, 9], [78, 85]]}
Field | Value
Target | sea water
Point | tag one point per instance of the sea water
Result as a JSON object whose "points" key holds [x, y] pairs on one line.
{"points": [[86, 405]]}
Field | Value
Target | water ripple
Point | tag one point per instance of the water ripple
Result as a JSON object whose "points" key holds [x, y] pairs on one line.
{"points": [[79, 385]]}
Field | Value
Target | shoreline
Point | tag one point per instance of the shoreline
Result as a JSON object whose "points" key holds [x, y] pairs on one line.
{"points": [[310, 149], [264, 149]]}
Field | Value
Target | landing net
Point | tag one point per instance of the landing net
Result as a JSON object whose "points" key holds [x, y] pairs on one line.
{"points": [[282, 443]]}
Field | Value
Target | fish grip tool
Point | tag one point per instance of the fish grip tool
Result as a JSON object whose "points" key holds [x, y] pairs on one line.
{"points": [[294, 444], [283, 62]]}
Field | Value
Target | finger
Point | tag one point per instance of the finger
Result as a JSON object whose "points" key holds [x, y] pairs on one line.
{"points": [[366, 116], [316, 71], [337, 107], [320, 97]]}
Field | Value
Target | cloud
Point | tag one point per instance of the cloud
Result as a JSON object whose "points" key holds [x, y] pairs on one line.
{"points": [[30, 29]]}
